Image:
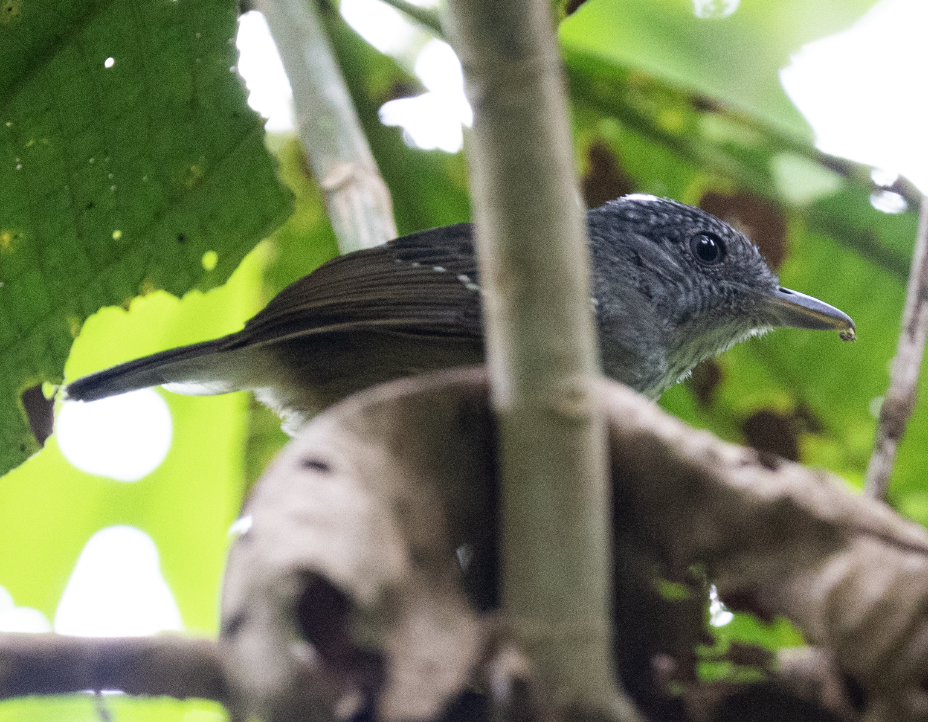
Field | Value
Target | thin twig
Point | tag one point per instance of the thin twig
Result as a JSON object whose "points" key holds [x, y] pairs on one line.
{"points": [[900, 397], [424, 16], [172, 665], [356, 195], [104, 713]]}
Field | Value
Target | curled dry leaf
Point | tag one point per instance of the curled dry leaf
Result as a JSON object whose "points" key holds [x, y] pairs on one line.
{"points": [[848, 571], [346, 590], [371, 553]]}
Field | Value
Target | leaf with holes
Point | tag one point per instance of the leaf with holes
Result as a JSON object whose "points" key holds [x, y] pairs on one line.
{"points": [[129, 161]]}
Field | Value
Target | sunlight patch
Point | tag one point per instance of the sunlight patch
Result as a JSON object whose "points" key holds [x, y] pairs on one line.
{"points": [[116, 589], [434, 119], [123, 437], [858, 89], [20, 619], [260, 66], [384, 27]]}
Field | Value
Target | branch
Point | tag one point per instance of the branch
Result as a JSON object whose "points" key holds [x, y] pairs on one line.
{"points": [[901, 396], [176, 666], [356, 529], [357, 198], [779, 539], [349, 590], [534, 263]]}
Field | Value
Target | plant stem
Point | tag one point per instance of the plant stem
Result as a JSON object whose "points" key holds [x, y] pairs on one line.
{"points": [[541, 355], [901, 396], [356, 196]]}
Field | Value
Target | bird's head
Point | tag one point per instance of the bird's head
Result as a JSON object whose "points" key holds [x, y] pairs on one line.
{"points": [[701, 285]]}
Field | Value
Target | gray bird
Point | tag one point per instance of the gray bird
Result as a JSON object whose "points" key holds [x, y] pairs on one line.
{"points": [[672, 286]]}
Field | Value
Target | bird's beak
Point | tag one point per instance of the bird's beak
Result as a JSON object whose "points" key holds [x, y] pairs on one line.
{"points": [[796, 310]]}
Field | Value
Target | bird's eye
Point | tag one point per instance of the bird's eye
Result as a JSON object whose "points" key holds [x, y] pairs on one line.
{"points": [[707, 249]]}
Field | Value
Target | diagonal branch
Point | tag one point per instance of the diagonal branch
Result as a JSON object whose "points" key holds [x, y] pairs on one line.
{"points": [[357, 198], [901, 395], [349, 586]]}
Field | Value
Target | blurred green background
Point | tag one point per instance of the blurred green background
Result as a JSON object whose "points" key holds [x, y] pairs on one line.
{"points": [[145, 185]]}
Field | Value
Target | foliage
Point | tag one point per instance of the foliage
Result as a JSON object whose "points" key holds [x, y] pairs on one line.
{"points": [[126, 154], [115, 181]]}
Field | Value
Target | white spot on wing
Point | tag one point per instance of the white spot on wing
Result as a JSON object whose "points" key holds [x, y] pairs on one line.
{"points": [[468, 283], [642, 197]]}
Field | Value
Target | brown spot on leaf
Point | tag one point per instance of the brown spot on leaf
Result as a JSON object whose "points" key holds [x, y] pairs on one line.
{"points": [[705, 104], [760, 219], [40, 412], [808, 420], [10, 11], [571, 6], [604, 179], [773, 433], [704, 380]]}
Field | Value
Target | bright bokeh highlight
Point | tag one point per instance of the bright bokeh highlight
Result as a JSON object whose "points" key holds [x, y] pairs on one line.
{"points": [[434, 119], [719, 615], [862, 90], [384, 27], [715, 8], [20, 619], [123, 437], [429, 121], [259, 63], [117, 589]]}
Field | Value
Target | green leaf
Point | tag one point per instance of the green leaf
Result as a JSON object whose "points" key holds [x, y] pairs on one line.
{"points": [[127, 153], [734, 60]]}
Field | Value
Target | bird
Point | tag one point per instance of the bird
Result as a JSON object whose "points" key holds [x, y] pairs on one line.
{"points": [[672, 286]]}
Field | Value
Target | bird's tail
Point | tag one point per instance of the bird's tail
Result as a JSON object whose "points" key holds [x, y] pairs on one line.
{"points": [[185, 365]]}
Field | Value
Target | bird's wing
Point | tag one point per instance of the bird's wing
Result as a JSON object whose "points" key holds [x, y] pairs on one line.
{"points": [[424, 284]]}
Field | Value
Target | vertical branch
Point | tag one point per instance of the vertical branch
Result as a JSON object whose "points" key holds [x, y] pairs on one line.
{"points": [[900, 397], [542, 358], [356, 196]]}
